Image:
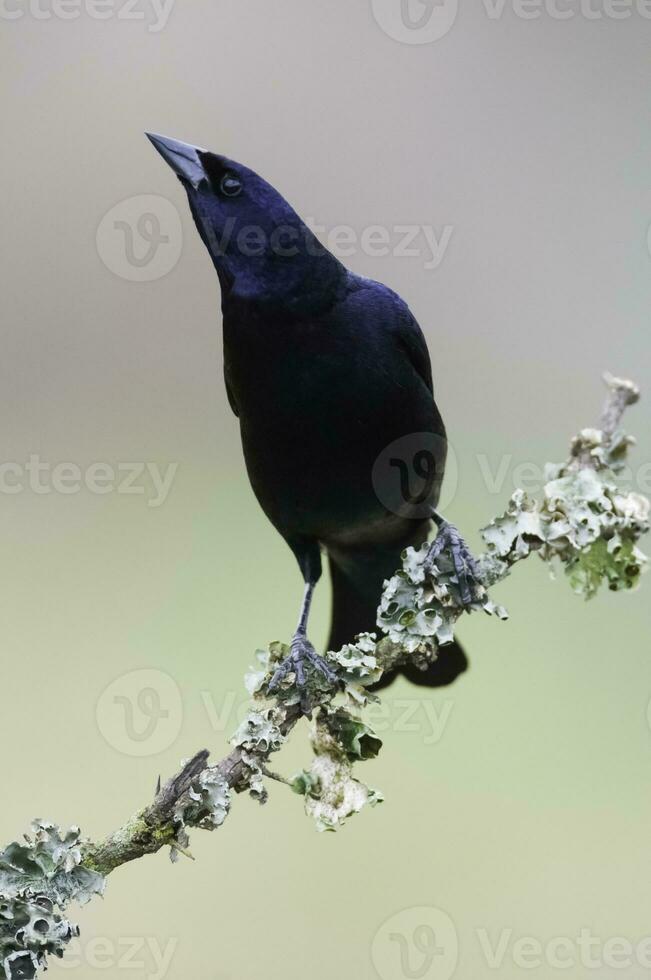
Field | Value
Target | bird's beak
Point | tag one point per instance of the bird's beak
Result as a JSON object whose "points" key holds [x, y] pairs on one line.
{"points": [[182, 158]]}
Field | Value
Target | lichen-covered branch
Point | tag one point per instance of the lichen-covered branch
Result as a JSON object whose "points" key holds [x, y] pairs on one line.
{"points": [[584, 523], [197, 796]]}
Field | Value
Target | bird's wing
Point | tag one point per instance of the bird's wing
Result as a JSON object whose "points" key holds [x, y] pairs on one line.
{"points": [[411, 339], [231, 396], [383, 306]]}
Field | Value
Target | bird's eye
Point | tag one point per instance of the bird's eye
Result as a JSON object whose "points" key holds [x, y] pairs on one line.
{"points": [[230, 185]]}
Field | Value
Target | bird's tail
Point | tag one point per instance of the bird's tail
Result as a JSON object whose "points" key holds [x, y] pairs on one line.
{"points": [[357, 577]]}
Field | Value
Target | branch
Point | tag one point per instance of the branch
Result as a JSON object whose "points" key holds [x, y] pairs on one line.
{"points": [[158, 824], [583, 521]]}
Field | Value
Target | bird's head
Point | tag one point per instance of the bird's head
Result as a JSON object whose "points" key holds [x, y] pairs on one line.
{"points": [[258, 244]]}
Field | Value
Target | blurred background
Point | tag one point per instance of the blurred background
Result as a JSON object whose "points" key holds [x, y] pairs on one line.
{"points": [[511, 142]]}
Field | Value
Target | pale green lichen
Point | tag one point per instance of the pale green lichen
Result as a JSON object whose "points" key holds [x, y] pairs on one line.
{"points": [[340, 738], [257, 677], [356, 663], [512, 536], [331, 794], [257, 737], [593, 529], [305, 783], [205, 805], [352, 734], [422, 602], [259, 733], [583, 521], [254, 780], [38, 878]]}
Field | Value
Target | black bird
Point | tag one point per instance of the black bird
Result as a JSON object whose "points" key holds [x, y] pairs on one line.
{"points": [[326, 371]]}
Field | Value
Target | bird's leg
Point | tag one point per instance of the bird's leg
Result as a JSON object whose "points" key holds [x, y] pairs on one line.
{"points": [[303, 657], [465, 566]]}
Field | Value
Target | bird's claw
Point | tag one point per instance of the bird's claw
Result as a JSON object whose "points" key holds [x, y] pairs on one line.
{"points": [[302, 660], [465, 566]]}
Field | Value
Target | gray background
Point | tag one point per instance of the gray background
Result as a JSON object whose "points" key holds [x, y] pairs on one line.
{"points": [[529, 137]]}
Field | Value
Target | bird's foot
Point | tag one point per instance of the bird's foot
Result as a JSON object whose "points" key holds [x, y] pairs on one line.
{"points": [[308, 667], [464, 563]]}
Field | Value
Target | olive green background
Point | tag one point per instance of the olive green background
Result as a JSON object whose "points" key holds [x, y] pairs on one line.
{"points": [[530, 138]]}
